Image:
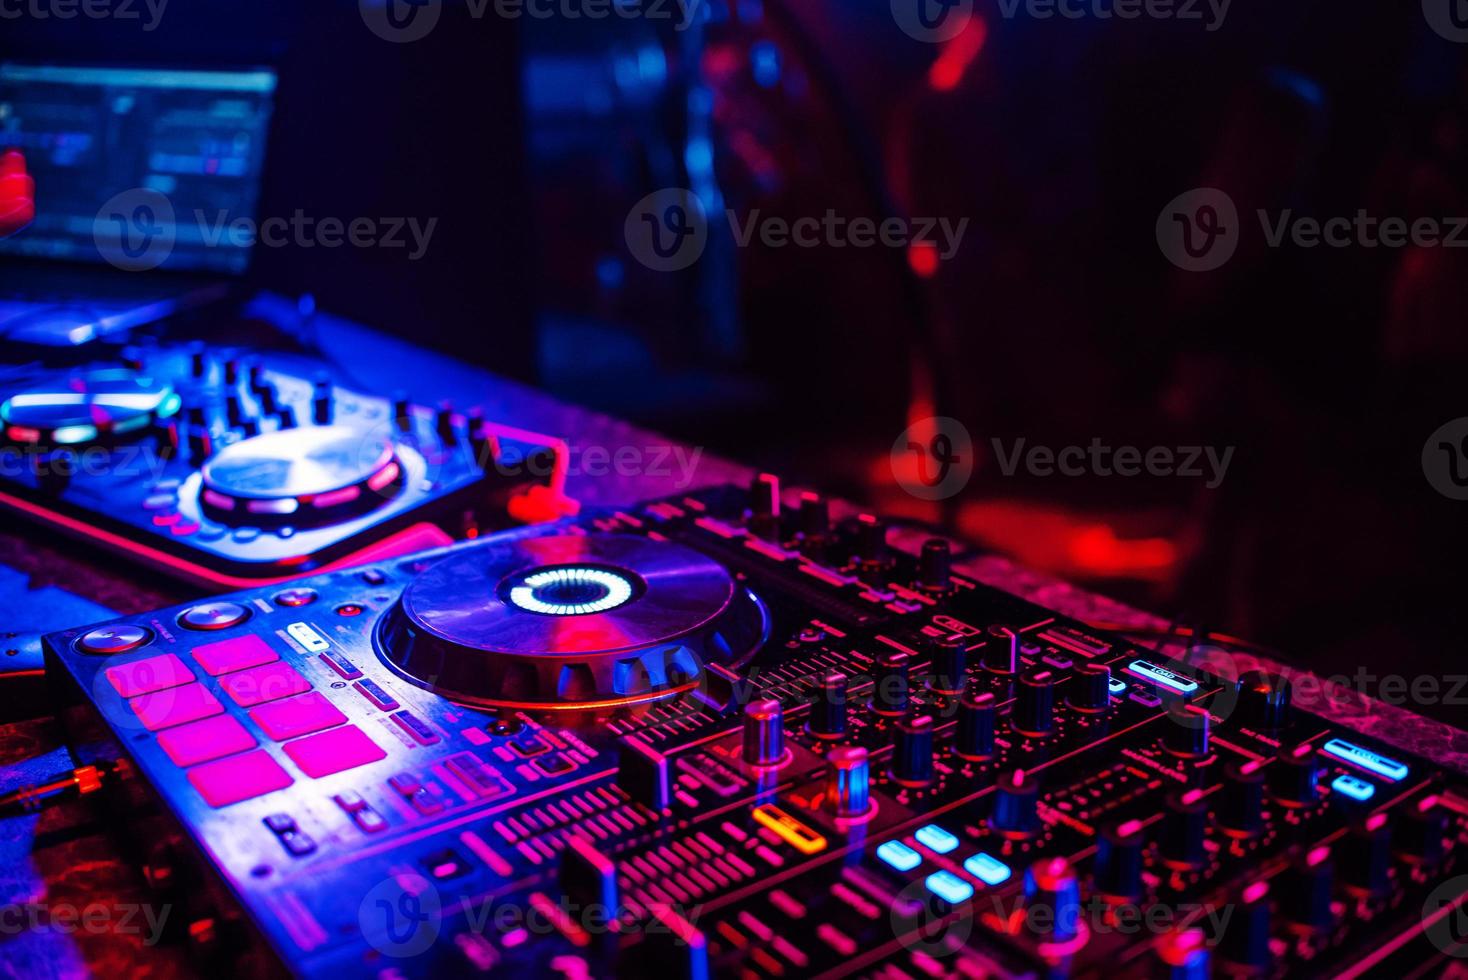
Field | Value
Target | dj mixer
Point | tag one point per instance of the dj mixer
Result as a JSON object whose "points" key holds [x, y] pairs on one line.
{"points": [[231, 467], [711, 736]]}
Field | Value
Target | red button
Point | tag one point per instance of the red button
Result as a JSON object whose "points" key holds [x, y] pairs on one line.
{"points": [[146, 676], [240, 777], [200, 741], [175, 706], [334, 751], [297, 716], [257, 685], [237, 653]]}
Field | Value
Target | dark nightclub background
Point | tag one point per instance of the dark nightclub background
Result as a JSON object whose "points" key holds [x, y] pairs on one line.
{"points": [[1056, 320]]}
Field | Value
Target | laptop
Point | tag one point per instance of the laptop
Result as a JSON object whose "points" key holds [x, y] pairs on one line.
{"points": [[144, 177]]}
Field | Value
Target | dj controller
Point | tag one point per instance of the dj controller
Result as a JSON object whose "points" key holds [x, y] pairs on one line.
{"points": [[714, 736], [231, 467]]}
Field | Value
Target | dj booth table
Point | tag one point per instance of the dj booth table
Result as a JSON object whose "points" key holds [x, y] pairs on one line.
{"points": [[72, 898]]}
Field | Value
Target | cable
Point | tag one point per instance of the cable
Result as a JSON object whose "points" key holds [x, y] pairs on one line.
{"points": [[81, 781]]}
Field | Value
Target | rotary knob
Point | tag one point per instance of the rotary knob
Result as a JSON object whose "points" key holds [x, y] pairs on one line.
{"points": [[890, 686], [1246, 936], [935, 566], [1090, 688], [912, 750], [871, 542], [1366, 860], [446, 424], [815, 526], [1241, 801], [848, 782], [1118, 869], [1001, 650], [1308, 883], [1033, 713], [1265, 701], [950, 664], [1184, 822], [323, 404], [1016, 805], [975, 734], [1052, 900], [1183, 955], [764, 734], [828, 710], [1187, 734], [1421, 832], [764, 507], [1293, 776]]}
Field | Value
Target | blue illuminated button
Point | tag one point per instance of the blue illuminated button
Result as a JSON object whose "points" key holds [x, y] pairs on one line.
{"points": [[1370, 761], [1117, 686], [899, 856], [1162, 677], [989, 870], [936, 838], [1357, 789], [949, 887]]}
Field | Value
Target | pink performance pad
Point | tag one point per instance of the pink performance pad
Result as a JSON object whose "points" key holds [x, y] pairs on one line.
{"points": [[175, 706], [298, 716], [147, 676], [240, 777], [334, 751], [236, 653], [201, 741], [269, 682]]}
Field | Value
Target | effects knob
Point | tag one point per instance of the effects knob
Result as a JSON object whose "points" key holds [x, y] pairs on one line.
{"points": [[1241, 801], [1306, 892], [1183, 954], [848, 782], [1366, 858], [764, 733], [815, 525], [445, 423], [1184, 822], [1265, 701], [890, 687], [975, 735], [912, 750], [935, 566], [1246, 936], [1421, 831], [871, 541], [950, 664], [1001, 650], [1187, 734], [1293, 776], [1090, 688], [764, 507], [482, 441], [1016, 805], [323, 403], [1053, 900], [402, 412], [1034, 704], [1118, 869], [828, 710]]}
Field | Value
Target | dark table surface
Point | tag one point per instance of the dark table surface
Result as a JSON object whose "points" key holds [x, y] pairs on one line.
{"points": [[71, 900]]}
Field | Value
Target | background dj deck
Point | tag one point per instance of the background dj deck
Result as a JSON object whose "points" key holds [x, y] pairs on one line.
{"points": [[63, 859]]}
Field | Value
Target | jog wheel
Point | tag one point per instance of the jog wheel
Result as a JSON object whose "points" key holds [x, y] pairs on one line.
{"points": [[570, 623], [101, 406]]}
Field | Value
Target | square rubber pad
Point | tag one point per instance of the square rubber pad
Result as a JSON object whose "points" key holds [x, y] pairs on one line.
{"points": [[147, 676], [201, 741], [240, 777], [334, 751], [236, 653], [297, 716], [269, 682], [175, 706]]}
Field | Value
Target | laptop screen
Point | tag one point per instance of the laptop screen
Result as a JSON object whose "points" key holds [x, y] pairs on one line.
{"points": [[140, 168]]}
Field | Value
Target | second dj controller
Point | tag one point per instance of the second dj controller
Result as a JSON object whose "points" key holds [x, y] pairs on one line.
{"points": [[230, 466], [711, 736]]}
